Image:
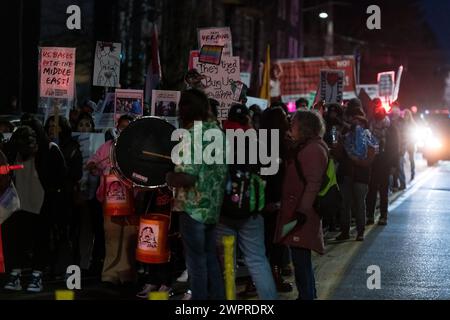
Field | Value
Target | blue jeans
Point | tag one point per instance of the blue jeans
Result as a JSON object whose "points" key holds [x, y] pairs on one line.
{"points": [[304, 274], [249, 235], [206, 281]]}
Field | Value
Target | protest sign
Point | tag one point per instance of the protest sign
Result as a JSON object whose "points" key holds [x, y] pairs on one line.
{"points": [[129, 102], [397, 83], [219, 82], [193, 54], [299, 77], [107, 64], [211, 54], [57, 72], [104, 117], [370, 89], [331, 86], [262, 103], [165, 105], [216, 37], [386, 83], [246, 78]]}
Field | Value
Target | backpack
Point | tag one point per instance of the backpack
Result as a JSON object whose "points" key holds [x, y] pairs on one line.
{"points": [[244, 192], [329, 198]]}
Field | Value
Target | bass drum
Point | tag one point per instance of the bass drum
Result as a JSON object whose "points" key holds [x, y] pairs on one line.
{"points": [[141, 155]]}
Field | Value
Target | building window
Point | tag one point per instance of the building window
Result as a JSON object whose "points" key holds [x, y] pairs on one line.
{"points": [[282, 9], [293, 48], [295, 12]]}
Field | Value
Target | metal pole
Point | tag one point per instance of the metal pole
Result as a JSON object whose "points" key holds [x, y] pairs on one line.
{"points": [[19, 100], [329, 48]]}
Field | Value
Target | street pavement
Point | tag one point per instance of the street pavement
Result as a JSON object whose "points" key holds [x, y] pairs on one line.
{"points": [[412, 252]]}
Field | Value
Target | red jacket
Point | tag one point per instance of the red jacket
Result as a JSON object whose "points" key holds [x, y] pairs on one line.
{"points": [[298, 196]]}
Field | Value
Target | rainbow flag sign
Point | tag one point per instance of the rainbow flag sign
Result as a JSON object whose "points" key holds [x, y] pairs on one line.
{"points": [[211, 54]]}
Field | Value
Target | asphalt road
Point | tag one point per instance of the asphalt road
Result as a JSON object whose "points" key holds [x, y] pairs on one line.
{"points": [[412, 252]]}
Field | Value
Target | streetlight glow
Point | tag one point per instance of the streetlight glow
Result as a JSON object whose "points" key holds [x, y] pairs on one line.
{"points": [[323, 15]]}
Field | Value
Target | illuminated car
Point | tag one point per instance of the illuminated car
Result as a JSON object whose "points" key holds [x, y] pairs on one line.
{"points": [[436, 138]]}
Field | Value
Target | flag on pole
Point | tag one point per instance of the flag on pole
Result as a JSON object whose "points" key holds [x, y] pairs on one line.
{"points": [[154, 68], [265, 88]]}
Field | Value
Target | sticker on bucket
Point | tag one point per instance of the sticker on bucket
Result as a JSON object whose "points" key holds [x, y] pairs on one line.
{"points": [[115, 191], [148, 237]]}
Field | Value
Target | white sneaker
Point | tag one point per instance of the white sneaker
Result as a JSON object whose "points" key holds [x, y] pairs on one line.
{"points": [[35, 285], [13, 283], [146, 290], [184, 277], [187, 295]]}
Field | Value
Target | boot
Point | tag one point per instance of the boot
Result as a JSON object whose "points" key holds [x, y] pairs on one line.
{"points": [[282, 285]]}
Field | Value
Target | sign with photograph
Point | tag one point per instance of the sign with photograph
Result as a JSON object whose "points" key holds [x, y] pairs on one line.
{"points": [[165, 105], [129, 102], [332, 86], [107, 64]]}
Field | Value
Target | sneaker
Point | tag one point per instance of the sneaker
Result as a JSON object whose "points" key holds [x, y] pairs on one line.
{"points": [[184, 277], [382, 222], [187, 295], [343, 237], [13, 283], [146, 290], [35, 285]]}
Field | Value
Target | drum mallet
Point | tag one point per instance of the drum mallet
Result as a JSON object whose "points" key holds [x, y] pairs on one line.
{"points": [[157, 155]]}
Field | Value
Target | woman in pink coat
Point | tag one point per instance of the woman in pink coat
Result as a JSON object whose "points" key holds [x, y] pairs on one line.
{"points": [[299, 225]]}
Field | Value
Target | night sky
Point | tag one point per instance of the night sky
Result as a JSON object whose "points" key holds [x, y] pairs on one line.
{"points": [[436, 14]]}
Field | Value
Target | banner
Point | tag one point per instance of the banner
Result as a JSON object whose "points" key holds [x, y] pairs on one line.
{"points": [[165, 105], [386, 84], [332, 86], [107, 64], [216, 37], [57, 72], [129, 102], [301, 76], [219, 82]]}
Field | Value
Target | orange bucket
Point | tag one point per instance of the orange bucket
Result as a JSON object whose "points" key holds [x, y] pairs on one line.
{"points": [[153, 234], [118, 198]]}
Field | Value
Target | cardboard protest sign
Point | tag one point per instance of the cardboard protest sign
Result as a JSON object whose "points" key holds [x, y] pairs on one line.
{"points": [[211, 54], [104, 118], [193, 54], [331, 86], [129, 102], [165, 105], [386, 83], [216, 37], [262, 103], [299, 77], [57, 72], [219, 82], [107, 64]]}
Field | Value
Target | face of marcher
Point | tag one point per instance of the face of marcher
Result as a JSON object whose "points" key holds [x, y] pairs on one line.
{"points": [[84, 126], [52, 130], [27, 147], [295, 130], [123, 125]]}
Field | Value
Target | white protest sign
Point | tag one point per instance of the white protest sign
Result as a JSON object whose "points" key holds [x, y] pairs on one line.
{"points": [[57, 72], [216, 37], [332, 86], [262, 103], [107, 64], [246, 78], [219, 82], [104, 118], [386, 83], [165, 105]]}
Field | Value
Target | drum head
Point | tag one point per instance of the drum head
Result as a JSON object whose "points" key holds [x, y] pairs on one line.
{"points": [[151, 135]]}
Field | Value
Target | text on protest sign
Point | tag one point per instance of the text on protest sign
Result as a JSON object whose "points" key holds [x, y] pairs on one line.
{"points": [[219, 82], [57, 72], [217, 37], [386, 84]]}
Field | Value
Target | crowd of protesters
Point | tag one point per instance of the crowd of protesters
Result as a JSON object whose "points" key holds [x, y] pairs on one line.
{"points": [[367, 145]]}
